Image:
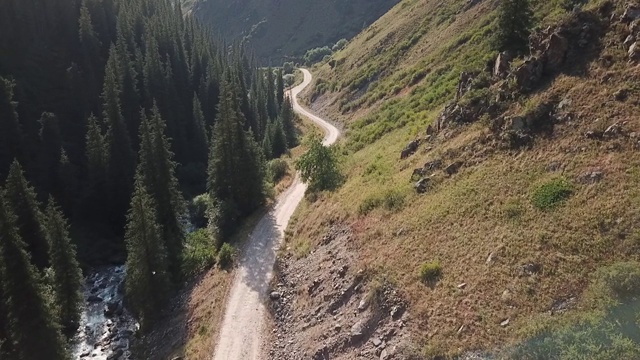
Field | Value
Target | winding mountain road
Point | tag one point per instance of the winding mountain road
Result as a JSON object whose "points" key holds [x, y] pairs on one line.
{"points": [[241, 334]]}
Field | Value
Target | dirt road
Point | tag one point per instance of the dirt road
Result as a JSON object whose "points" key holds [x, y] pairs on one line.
{"points": [[242, 328]]}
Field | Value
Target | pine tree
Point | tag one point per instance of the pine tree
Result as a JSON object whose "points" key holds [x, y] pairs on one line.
{"points": [[272, 104], [157, 170], [287, 116], [280, 88], [10, 134], [21, 199], [278, 139], [121, 164], [32, 325], [236, 164], [50, 153], [147, 281], [67, 276], [199, 137], [95, 199], [515, 20]]}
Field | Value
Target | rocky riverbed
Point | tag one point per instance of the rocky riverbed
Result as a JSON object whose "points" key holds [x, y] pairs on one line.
{"points": [[106, 328]]}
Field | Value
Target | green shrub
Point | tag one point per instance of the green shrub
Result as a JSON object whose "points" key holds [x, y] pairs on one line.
{"points": [[369, 204], [430, 272], [319, 167], [198, 210], [287, 68], [622, 279], [339, 45], [199, 253], [314, 55], [393, 200], [276, 170], [226, 255], [551, 194]]}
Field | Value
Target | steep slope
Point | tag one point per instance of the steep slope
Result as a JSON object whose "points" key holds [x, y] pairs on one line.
{"points": [[522, 195], [276, 29]]}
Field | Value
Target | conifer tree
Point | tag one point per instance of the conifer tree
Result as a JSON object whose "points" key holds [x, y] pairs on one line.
{"points": [[199, 137], [22, 201], [515, 20], [287, 116], [32, 325], [236, 164], [50, 153], [10, 134], [278, 139], [280, 88], [157, 170], [121, 164], [67, 276], [95, 197], [272, 105], [147, 279]]}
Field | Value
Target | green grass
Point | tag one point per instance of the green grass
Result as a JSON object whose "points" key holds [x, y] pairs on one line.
{"points": [[226, 255], [430, 272], [552, 194]]}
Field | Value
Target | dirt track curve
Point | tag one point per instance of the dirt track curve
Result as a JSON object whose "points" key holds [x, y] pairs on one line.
{"points": [[241, 334]]}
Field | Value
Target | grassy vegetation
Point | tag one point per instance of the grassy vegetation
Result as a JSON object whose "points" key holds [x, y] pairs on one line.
{"points": [[226, 255], [199, 253], [430, 272], [504, 209]]}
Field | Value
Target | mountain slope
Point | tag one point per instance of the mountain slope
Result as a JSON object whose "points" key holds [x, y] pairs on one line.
{"points": [[280, 28], [527, 200]]}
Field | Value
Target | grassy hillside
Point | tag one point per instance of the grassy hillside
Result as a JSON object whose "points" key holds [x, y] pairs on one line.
{"points": [[538, 244], [275, 28]]}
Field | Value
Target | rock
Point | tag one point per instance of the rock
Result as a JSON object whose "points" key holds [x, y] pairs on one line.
{"points": [[464, 84], [422, 186], [490, 258], [621, 94], [528, 74], [531, 268], [376, 341], [94, 299], [594, 135], [462, 286], [112, 308], [506, 296], [274, 295], [418, 173], [453, 168], [591, 177], [430, 130], [634, 52], [384, 355], [555, 52], [117, 354], [517, 123], [629, 41], [358, 329], [562, 305], [631, 13], [505, 323], [503, 62], [565, 103], [410, 149], [396, 312], [613, 131], [362, 306], [177, 358]]}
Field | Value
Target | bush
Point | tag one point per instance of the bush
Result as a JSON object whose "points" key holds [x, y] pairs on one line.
{"points": [[430, 272], [622, 279], [199, 253], [276, 170], [339, 45], [369, 204], [198, 210], [314, 55], [289, 79], [287, 68], [551, 194], [319, 167], [393, 200], [226, 255]]}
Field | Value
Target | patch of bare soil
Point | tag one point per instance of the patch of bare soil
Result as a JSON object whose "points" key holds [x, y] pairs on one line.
{"points": [[323, 306]]}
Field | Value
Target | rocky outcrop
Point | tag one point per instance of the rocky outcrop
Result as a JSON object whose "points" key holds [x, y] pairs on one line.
{"points": [[528, 74], [503, 64], [410, 149]]}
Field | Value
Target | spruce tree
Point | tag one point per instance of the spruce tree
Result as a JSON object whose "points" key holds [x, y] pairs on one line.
{"points": [[32, 325], [67, 276], [21, 199], [10, 134], [515, 20], [157, 170], [121, 164], [236, 164], [95, 199], [147, 279], [278, 139], [50, 153], [272, 104], [199, 137], [287, 116], [280, 88]]}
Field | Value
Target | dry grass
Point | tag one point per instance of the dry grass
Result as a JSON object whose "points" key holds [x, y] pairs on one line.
{"points": [[480, 224]]}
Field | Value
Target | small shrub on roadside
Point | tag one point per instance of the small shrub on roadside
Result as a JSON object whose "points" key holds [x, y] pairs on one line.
{"points": [[621, 278], [198, 210], [550, 195], [276, 170], [225, 255], [199, 253], [430, 272]]}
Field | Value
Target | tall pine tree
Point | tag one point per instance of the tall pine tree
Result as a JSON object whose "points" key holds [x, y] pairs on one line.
{"points": [[287, 117], [67, 276], [10, 133], [236, 164], [32, 325], [21, 199], [147, 280]]}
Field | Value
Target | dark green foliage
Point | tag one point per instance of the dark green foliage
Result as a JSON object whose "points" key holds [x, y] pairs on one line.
{"points": [[147, 281], [339, 45], [515, 20], [50, 154], [67, 276], [157, 169], [32, 324], [319, 167], [288, 68], [279, 88], [272, 102], [551, 194], [199, 137], [236, 165], [314, 55], [10, 134], [226, 255], [199, 253], [430, 272], [277, 139], [198, 210], [288, 118], [276, 170], [21, 199]]}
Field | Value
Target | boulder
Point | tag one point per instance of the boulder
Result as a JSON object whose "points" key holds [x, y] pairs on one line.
{"points": [[430, 130], [634, 52], [274, 295], [555, 52], [591, 177], [517, 123], [528, 74], [410, 149], [112, 308], [464, 84], [94, 299], [503, 62], [631, 13], [629, 41], [453, 168], [422, 186], [358, 330]]}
